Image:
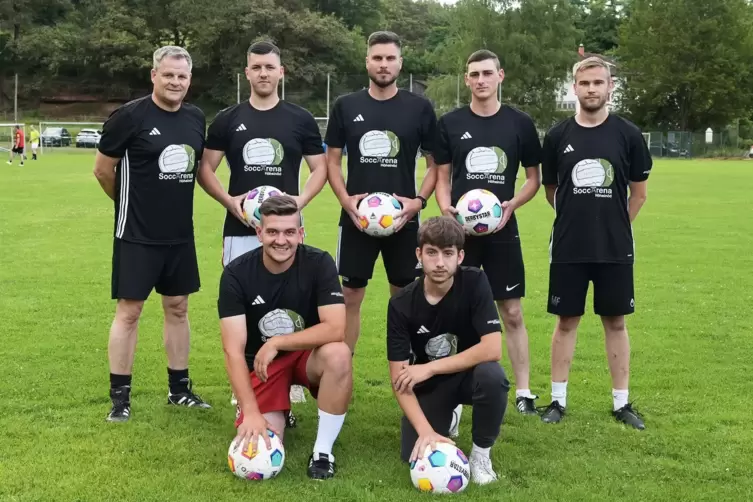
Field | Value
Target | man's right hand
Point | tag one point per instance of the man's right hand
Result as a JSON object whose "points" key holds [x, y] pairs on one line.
{"points": [[424, 441], [235, 206], [449, 211], [249, 431], [351, 207]]}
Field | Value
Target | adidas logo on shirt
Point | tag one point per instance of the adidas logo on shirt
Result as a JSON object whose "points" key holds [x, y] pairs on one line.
{"points": [[359, 118], [568, 149], [422, 330], [154, 132], [467, 135], [258, 300], [241, 127]]}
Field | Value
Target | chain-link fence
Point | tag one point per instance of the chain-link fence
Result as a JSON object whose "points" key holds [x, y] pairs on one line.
{"points": [[709, 143]]}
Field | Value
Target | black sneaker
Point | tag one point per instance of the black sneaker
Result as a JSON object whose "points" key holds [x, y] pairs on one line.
{"points": [[321, 467], [121, 405], [290, 420], [526, 405], [187, 398], [628, 416], [553, 413]]}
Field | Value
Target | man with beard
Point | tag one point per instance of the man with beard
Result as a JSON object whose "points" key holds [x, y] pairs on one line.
{"points": [[264, 140], [589, 163], [444, 345], [382, 128], [282, 317]]}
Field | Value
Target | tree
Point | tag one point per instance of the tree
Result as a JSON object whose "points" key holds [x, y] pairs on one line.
{"points": [[599, 21], [687, 63]]}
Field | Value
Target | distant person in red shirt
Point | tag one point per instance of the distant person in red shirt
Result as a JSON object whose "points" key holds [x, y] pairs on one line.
{"points": [[18, 145]]}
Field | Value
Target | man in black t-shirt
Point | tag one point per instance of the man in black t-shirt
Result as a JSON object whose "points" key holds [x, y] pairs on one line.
{"points": [[590, 162], [444, 345], [482, 146], [382, 129], [282, 317], [146, 161]]}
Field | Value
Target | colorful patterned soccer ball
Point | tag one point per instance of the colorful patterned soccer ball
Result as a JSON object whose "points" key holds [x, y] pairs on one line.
{"points": [[479, 211], [377, 213], [444, 470], [265, 464], [253, 201]]}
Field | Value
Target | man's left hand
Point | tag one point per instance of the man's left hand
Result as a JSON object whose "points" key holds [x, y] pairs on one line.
{"points": [[411, 207], [508, 208], [411, 376]]}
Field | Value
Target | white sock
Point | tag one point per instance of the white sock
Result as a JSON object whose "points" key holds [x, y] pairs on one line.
{"points": [[476, 450], [619, 398], [559, 393], [523, 393], [329, 429]]}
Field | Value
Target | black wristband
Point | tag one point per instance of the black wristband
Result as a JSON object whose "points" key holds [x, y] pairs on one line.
{"points": [[423, 201]]}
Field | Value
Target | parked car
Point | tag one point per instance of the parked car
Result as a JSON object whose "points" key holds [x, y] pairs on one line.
{"points": [[56, 136], [88, 138]]}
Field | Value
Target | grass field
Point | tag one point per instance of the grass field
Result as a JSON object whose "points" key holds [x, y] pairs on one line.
{"points": [[691, 339]]}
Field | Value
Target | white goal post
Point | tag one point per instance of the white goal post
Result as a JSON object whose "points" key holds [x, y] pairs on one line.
{"points": [[63, 134], [647, 137], [8, 137]]}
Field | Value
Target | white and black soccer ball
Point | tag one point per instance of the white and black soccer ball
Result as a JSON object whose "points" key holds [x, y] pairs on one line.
{"points": [[258, 465], [253, 201], [479, 211], [377, 213], [442, 470]]}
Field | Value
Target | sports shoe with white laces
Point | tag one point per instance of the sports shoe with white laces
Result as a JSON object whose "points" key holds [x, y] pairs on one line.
{"points": [[482, 472], [187, 398], [296, 394]]}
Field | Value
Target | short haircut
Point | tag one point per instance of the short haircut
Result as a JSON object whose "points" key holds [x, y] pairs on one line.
{"points": [[263, 47], [279, 205], [591, 62], [171, 51], [384, 37], [482, 55], [441, 231]]}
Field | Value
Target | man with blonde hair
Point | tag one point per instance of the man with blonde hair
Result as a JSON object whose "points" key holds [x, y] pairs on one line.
{"points": [[148, 154], [590, 162]]}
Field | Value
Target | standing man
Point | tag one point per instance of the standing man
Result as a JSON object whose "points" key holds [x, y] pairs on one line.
{"points": [[18, 145], [590, 162], [482, 146], [264, 140], [147, 157], [382, 128], [444, 345], [34, 136]]}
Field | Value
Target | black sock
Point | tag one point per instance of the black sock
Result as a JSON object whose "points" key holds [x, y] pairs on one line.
{"points": [[177, 380], [120, 381]]}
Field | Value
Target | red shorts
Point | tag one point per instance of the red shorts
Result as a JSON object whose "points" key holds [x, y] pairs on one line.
{"points": [[274, 394]]}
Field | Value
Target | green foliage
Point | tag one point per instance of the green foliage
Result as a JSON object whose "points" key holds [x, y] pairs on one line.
{"points": [[599, 22]]}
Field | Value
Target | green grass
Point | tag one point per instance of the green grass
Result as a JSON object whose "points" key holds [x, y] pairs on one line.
{"points": [[691, 340]]}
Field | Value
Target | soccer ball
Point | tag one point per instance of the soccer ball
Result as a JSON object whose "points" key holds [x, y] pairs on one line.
{"points": [[443, 470], [377, 213], [264, 464], [479, 211], [253, 201]]}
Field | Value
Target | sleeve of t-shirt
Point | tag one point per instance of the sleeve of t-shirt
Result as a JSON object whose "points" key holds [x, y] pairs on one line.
{"points": [[217, 133], [428, 129], [203, 121], [483, 309], [328, 289], [231, 301], [531, 154], [442, 153], [335, 136], [311, 140], [117, 133], [640, 158], [549, 161], [398, 336]]}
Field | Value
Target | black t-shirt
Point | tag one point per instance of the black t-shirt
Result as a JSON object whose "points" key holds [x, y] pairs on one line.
{"points": [[486, 152], [263, 148], [592, 168], [278, 304], [382, 140], [428, 332], [159, 152]]}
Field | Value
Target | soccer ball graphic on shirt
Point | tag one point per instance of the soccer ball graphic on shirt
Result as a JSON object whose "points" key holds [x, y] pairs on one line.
{"points": [[379, 144], [593, 173], [479, 211], [257, 465], [441, 346], [442, 470], [253, 201], [263, 152], [177, 159], [377, 213], [484, 159], [280, 322]]}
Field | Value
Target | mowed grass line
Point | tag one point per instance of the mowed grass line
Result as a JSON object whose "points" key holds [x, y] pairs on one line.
{"points": [[690, 340]]}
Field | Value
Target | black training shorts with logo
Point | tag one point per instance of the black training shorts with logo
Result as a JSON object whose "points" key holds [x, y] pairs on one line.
{"points": [[614, 293], [502, 261]]}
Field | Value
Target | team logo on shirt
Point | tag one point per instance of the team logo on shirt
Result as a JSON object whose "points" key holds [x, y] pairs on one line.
{"points": [[593, 176], [263, 154], [379, 147], [176, 162], [441, 346], [486, 163], [280, 322]]}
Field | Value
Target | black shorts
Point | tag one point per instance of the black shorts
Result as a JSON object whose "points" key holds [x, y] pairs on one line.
{"points": [[357, 252], [502, 261], [172, 270], [17, 149], [613, 288]]}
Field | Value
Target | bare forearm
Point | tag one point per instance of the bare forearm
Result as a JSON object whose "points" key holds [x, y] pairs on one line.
{"points": [[213, 186], [238, 373], [106, 180], [465, 360], [430, 181], [635, 203], [526, 192], [314, 185], [336, 179], [409, 404], [310, 338]]}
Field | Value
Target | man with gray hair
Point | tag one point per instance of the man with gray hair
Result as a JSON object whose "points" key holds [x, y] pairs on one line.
{"points": [[148, 154]]}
